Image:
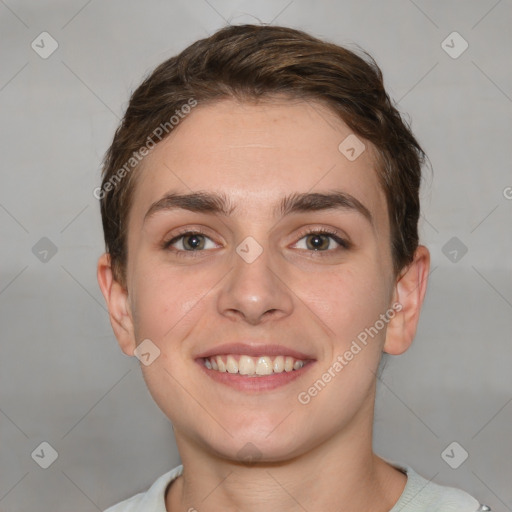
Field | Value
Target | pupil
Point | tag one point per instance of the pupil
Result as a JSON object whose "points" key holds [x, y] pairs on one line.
{"points": [[317, 241], [193, 241]]}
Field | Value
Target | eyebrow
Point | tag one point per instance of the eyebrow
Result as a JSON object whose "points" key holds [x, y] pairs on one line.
{"points": [[214, 203]]}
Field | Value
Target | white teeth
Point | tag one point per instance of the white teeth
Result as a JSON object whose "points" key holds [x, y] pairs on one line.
{"points": [[253, 366], [298, 365], [278, 365], [231, 365], [264, 366], [220, 364], [246, 365]]}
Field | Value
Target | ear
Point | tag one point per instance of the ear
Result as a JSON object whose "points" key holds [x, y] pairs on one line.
{"points": [[409, 292], [116, 297]]}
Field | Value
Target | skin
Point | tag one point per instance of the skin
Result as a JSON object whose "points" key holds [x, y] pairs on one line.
{"points": [[316, 301]]}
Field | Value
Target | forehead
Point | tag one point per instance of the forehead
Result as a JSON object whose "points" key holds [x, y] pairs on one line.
{"points": [[256, 154]]}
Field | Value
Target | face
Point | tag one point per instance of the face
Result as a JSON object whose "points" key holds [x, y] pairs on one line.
{"points": [[258, 275]]}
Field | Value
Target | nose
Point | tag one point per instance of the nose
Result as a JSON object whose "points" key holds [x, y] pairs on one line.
{"points": [[255, 291]]}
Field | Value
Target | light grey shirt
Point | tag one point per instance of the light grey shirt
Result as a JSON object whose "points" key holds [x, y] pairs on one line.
{"points": [[419, 495]]}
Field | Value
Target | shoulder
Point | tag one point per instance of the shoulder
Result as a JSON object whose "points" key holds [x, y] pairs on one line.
{"points": [[153, 500], [422, 495]]}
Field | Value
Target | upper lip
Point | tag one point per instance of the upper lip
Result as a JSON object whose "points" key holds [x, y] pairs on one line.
{"points": [[254, 350]]}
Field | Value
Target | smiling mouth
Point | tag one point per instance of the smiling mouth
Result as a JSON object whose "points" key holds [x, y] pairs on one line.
{"points": [[248, 366]]}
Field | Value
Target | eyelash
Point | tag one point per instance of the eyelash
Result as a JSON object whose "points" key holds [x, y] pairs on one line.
{"points": [[333, 234], [178, 252], [343, 243]]}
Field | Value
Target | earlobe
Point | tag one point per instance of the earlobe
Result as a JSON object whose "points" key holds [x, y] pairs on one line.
{"points": [[116, 297], [409, 292]]}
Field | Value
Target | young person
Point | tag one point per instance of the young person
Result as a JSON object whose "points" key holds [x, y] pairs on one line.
{"points": [[260, 203]]}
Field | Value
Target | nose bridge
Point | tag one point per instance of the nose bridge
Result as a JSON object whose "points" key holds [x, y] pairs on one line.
{"points": [[253, 288]]}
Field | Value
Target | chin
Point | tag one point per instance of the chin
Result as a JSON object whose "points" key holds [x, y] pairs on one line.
{"points": [[255, 445]]}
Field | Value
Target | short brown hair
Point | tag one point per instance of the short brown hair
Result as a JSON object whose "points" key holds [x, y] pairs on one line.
{"points": [[251, 62]]}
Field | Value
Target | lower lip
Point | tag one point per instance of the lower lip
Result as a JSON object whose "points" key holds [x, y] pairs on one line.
{"points": [[255, 384]]}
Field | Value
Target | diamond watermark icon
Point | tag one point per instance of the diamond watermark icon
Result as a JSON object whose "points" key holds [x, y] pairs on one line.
{"points": [[44, 45], [454, 455], [249, 454], [45, 455], [454, 45], [44, 250], [351, 147], [146, 352], [454, 249], [249, 250]]}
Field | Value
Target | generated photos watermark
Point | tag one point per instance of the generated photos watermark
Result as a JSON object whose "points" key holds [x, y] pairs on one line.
{"points": [[159, 133], [342, 360]]}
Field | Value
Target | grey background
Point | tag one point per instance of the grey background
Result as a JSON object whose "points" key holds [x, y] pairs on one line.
{"points": [[63, 378]]}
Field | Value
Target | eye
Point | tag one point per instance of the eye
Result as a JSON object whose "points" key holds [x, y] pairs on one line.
{"points": [[189, 241], [321, 240], [193, 242]]}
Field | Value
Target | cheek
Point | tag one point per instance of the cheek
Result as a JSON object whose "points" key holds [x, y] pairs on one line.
{"points": [[164, 300], [346, 300]]}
